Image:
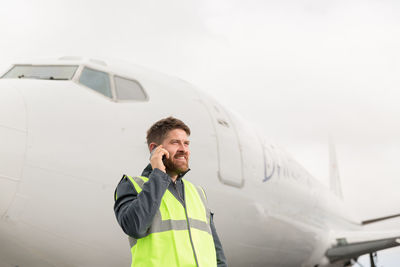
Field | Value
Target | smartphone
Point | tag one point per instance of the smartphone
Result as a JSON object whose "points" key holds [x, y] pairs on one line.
{"points": [[163, 157]]}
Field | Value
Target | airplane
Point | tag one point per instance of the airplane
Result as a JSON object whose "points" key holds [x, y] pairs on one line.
{"points": [[71, 127]]}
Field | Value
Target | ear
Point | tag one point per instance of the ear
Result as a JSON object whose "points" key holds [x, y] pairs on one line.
{"points": [[152, 146]]}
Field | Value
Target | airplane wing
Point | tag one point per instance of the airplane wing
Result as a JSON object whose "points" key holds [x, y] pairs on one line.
{"points": [[351, 245]]}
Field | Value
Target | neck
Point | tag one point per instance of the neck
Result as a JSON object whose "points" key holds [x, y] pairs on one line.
{"points": [[173, 175]]}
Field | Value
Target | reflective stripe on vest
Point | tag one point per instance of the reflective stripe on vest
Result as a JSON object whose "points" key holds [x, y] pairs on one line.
{"points": [[168, 240]]}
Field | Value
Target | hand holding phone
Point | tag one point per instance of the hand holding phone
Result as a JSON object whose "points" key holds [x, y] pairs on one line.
{"points": [[157, 157]]}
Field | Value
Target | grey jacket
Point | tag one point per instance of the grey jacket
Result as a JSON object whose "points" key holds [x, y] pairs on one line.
{"points": [[135, 212]]}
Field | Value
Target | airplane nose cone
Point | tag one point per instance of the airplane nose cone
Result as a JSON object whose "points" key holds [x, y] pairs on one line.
{"points": [[13, 133]]}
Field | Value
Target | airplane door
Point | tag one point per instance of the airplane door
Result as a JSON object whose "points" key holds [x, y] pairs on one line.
{"points": [[228, 146]]}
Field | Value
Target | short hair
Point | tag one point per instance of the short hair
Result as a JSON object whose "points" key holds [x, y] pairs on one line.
{"points": [[159, 130]]}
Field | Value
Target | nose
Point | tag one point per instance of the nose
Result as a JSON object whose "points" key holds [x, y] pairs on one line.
{"points": [[183, 147], [13, 135]]}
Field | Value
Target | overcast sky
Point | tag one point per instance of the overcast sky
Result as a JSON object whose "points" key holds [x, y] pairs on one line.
{"points": [[297, 70]]}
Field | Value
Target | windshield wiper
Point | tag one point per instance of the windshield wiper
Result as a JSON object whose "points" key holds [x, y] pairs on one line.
{"points": [[40, 78]]}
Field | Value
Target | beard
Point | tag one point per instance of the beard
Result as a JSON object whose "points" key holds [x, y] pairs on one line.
{"points": [[171, 166]]}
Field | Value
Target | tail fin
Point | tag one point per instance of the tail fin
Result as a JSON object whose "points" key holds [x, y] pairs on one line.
{"points": [[334, 177]]}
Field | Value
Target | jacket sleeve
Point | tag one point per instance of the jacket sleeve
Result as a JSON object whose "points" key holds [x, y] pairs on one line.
{"points": [[135, 212], [221, 260]]}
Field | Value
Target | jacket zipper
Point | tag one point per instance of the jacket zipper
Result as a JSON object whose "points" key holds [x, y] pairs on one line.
{"points": [[177, 191], [188, 224]]}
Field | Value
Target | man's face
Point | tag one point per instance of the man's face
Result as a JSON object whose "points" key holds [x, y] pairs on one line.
{"points": [[177, 144]]}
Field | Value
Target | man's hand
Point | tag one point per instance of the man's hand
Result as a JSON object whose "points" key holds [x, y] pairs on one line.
{"points": [[157, 156]]}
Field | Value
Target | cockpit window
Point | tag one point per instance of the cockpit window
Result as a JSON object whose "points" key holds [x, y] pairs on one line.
{"points": [[97, 80], [41, 72], [121, 88], [129, 89]]}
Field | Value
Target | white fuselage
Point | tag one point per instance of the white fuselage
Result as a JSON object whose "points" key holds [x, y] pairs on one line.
{"points": [[65, 148]]}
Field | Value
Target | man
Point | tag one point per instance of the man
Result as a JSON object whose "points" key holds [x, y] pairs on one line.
{"points": [[166, 216]]}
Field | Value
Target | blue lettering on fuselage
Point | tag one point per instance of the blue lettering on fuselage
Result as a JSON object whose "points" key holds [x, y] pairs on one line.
{"points": [[277, 165], [269, 164], [266, 176]]}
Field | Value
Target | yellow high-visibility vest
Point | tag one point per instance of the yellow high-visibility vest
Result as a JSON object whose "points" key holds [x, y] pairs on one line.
{"points": [[176, 237]]}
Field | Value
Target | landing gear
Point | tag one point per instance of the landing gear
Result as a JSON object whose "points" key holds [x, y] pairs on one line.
{"points": [[373, 257]]}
